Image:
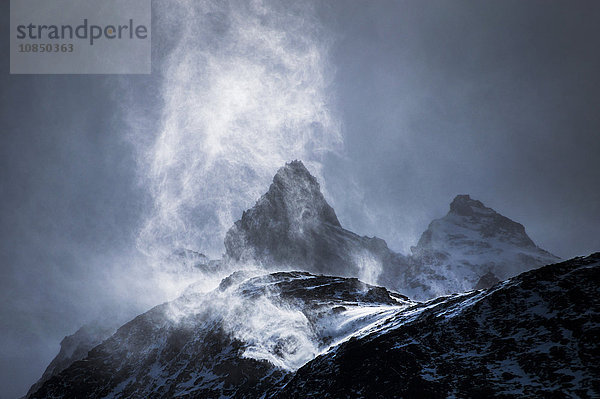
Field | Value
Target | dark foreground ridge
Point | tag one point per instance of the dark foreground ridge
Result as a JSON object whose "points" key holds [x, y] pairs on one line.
{"points": [[535, 335], [238, 341]]}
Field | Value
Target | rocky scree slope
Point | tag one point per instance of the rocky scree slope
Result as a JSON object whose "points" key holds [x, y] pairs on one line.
{"points": [[535, 335]]}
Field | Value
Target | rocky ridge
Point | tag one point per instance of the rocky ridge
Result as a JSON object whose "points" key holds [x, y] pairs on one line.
{"points": [[535, 335], [297, 335], [237, 341], [291, 227]]}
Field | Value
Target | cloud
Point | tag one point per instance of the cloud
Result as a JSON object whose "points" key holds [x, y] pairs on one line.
{"points": [[244, 89]]}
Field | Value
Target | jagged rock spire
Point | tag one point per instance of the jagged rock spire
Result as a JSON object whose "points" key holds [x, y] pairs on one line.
{"points": [[293, 225]]}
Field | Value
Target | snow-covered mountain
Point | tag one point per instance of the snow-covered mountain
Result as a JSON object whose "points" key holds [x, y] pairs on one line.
{"points": [[536, 336], [237, 341], [270, 331], [472, 246], [298, 335]]}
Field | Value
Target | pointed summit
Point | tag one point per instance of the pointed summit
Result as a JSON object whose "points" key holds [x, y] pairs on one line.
{"points": [[292, 225], [297, 194], [283, 220], [489, 222], [464, 205], [476, 222], [473, 241]]}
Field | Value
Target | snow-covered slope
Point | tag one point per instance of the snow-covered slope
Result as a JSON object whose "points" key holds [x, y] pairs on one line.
{"points": [[297, 335], [237, 341], [472, 246], [536, 335]]}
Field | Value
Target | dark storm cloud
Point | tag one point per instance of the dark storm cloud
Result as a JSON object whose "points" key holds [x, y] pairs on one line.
{"points": [[496, 99], [66, 198], [68, 203]]}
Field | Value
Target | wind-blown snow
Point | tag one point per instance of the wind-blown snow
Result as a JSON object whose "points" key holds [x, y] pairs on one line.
{"points": [[244, 90]]}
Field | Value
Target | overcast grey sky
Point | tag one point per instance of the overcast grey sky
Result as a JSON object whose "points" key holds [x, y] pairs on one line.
{"points": [[497, 99]]}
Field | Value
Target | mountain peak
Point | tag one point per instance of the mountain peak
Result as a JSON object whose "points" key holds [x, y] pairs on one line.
{"points": [[473, 241], [292, 225], [464, 205], [470, 215], [297, 195], [294, 171], [289, 211]]}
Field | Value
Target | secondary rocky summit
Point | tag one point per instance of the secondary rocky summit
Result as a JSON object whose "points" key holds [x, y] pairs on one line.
{"points": [[473, 246]]}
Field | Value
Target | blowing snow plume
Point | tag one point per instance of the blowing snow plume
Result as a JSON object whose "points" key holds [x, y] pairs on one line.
{"points": [[243, 91]]}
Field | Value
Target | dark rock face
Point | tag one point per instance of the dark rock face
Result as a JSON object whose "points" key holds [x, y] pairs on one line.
{"points": [[536, 335], [486, 281], [293, 227], [238, 341], [73, 348]]}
